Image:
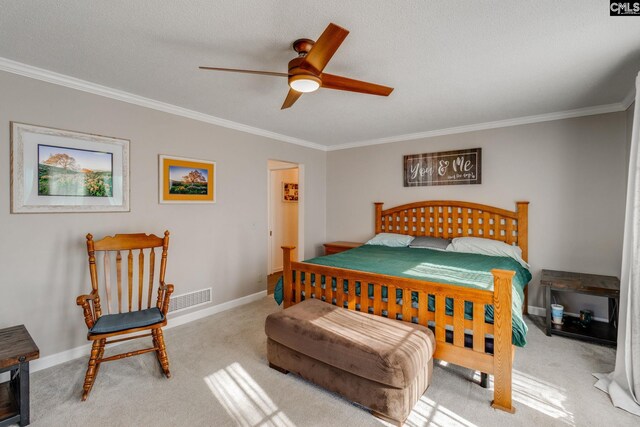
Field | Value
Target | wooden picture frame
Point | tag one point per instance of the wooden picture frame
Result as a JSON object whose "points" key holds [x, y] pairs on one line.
{"points": [[290, 192], [186, 180], [457, 167], [56, 170]]}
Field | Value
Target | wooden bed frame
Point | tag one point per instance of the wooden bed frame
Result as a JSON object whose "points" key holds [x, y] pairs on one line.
{"points": [[445, 219]]}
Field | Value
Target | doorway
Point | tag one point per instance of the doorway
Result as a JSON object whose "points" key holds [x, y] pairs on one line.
{"points": [[284, 214]]}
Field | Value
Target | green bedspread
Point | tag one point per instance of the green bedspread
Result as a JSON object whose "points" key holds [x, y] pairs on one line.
{"points": [[456, 268]]}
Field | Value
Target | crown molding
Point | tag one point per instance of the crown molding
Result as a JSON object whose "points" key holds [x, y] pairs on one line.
{"points": [[630, 98], [580, 112], [30, 71], [41, 74]]}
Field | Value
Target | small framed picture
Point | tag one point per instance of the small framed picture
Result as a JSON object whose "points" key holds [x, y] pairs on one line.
{"points": [[55, 170], [289, 192], [184, 180]]}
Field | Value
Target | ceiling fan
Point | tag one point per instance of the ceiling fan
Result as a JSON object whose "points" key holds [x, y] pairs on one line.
{"points": [[305, 72]]}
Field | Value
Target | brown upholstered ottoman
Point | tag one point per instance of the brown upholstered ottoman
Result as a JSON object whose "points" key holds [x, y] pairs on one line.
{"points": [[382, 364]]}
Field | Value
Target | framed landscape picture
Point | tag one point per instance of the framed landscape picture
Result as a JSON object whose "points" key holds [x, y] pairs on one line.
{"points": [[184, 180], [289, 192], [54, 170]]}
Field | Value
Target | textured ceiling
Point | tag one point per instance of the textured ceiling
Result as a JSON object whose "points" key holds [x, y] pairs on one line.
{"points": [[451, 63]]}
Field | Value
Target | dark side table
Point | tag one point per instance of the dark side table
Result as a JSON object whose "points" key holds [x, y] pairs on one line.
{"points": [[17, 349], [588, 284]]}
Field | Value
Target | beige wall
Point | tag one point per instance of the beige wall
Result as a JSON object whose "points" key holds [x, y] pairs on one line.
{"points": [[572, 171], [223, 246]]}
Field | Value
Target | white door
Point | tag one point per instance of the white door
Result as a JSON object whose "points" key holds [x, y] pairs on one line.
{"points": [[275, 234]]}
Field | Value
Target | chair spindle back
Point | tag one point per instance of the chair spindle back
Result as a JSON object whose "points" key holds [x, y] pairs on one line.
{"points": [[129, 246]]}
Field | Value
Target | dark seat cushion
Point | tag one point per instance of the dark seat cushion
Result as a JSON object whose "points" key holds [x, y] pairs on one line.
{"points": [[119, 322], [384, 350]]}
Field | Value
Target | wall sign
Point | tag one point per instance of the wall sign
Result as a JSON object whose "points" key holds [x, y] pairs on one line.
{"points": [[443, 168]]}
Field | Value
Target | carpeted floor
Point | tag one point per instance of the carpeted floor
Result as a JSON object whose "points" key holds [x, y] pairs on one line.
{"points": [[221, 378]]}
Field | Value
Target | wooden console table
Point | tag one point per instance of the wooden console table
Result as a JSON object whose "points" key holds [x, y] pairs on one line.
{"points": [[17, 349], [337, 247], [589, 284]]}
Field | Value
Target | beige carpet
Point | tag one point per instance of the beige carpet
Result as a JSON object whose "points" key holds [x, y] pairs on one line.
{"points": [[221, 377]]}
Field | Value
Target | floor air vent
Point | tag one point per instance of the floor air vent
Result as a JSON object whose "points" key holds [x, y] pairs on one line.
{"points": [[192, 299]]}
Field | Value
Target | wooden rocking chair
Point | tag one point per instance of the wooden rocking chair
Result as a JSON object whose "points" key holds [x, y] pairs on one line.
{"points": [[136, 319]]}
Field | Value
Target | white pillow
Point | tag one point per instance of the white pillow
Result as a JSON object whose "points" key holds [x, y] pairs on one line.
{"points": [[391, 239], [478, 245]]}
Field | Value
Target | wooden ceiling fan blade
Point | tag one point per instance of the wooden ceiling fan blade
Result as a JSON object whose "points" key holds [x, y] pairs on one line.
{"points": [[291, 98], [324, 48], [236, 70], [330, 81]]}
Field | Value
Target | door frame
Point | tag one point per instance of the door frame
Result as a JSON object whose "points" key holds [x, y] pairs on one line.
{"points": [[301, 186]]}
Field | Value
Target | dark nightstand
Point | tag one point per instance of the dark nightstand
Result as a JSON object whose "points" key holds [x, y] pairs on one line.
{"points": [[16, 350], [337, 247], [588, 284]]}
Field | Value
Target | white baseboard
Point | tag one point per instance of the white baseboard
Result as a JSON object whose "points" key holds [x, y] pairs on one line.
{"points": [[58, 358], [539, 311], [209, 311], [83, 350]]}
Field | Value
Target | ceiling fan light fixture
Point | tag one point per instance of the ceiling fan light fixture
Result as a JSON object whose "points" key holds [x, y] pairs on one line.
{"points": [[304, 83]]}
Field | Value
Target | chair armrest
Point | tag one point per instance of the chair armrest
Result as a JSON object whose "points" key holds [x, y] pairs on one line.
{"points": [[91, 314], [164, 296], [164, 286]]}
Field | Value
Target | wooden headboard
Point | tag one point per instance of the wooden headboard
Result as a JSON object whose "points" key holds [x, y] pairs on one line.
{"points": [[448, 219]]}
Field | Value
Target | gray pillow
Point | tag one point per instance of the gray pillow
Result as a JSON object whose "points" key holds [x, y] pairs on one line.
{"points": [[430, 243], [391, 239]]}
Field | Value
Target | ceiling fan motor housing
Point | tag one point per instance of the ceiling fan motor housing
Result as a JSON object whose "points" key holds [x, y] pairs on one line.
{"points": [[298, 74]]}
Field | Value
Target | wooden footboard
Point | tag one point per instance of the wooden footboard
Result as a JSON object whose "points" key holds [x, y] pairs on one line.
{"points": [[302, 280]]}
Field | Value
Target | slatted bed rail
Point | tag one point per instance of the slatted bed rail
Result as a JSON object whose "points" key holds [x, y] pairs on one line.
{"points": [[352, 290]]}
